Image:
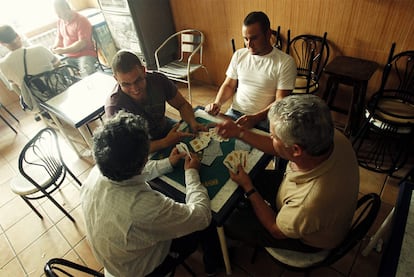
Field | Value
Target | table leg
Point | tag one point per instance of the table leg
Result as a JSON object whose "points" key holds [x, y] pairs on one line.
{"points": [[358, 107], [224, 250], [62, 131], [83, 130], [380, 234], [330, 91]]}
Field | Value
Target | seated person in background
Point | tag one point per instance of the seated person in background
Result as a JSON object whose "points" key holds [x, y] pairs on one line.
{"points": [[313, 207], [134, 230], [260, 73], [38, 59], [145, 93], [74, 38]]}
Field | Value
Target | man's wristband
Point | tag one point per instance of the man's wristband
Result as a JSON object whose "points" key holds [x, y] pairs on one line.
{"points": [[250, 192]]}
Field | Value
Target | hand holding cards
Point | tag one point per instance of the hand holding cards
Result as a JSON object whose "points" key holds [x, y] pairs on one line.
{"points": [[234, 158], [183, 148]]}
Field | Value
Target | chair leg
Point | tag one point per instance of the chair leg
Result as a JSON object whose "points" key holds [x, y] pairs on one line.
{"points": [[12, 115], [8, 124], [31, 206], [59, 206], [254, 255], [188, 268], [190, 100], [73, 176]]}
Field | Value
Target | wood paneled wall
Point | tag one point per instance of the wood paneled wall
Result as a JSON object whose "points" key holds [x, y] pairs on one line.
{"points": [[359, 28]]}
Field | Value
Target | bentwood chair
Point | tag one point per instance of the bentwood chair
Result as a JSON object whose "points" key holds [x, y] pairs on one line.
{"points": [[61, 267], [365, 214], [311, 54], [42, 170], [190, 59], [385, 140]]}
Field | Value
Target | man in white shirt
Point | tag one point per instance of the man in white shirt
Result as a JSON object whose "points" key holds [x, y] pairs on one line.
{"points": [[134, 230], [261, 74], [38, 59]]}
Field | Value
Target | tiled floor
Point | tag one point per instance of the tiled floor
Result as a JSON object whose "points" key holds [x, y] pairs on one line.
{"points": [[27, 242]]}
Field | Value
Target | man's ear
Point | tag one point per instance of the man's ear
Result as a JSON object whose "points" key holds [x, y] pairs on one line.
{"points": [[297, 150]]}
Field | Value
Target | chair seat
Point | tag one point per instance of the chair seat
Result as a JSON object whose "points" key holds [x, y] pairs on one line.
{"points": [[21, 186], [300, 85], [377, 122], [297, 259], [178, 69], [403, 111]]}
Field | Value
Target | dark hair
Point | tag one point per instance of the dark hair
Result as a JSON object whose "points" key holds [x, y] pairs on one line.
{"points": [[304, 120], [121, 146], [259, 17], [7, 34], [124, 61]]}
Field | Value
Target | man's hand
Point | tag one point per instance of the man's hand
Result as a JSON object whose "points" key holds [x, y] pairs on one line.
{"points": [[192, 161], [228, 129], [174, 136], [213, 108], [58, 50], [175, 156], [241, 178], [247, 121], [197, 127]]}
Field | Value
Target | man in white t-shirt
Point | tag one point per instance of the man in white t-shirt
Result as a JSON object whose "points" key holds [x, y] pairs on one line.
{"points": [[38, 59], [260, 73]]}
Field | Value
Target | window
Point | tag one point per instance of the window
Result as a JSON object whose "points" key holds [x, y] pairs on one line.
{"points": [[27, 15]]}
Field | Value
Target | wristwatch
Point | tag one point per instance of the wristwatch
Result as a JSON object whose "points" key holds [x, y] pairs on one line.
{"points": [[250, 192]]}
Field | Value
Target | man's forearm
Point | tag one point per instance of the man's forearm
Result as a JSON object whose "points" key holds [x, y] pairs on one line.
{"points": [[158, 144], [266, 215], [259, 141], [187, 113]]}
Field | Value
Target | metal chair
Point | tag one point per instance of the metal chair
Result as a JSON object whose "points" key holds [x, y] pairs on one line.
{"points": [[60, 267], [190, 43], [365, 214], [4, 119], [276, 39], [311, 54], [42, 170], [385, 140]]}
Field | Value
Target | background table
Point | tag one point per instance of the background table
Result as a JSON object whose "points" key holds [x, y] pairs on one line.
{"points": [[81, 103]]}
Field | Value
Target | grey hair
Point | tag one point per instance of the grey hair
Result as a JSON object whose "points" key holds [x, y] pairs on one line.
{"points": [[304, 120], [121, 146]]}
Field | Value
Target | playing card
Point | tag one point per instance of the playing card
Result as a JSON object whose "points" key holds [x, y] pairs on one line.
{"points": [[215, 136], [183, 148], [208, 160], [183, 126], [211, 152], [234, 158], [198, 144], [231, 161]]}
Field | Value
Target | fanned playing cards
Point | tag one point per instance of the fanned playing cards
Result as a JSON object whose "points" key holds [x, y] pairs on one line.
{"points": [[234, 158]]}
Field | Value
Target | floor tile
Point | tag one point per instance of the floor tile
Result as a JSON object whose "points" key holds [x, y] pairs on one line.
{"points": [[27, 230], [13, 268], [49, 245], [6, 253]]}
